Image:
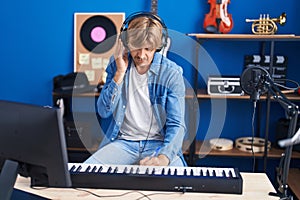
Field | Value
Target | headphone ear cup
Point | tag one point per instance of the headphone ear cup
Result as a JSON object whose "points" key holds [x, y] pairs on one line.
{"points": [[163, 42], [123, 36]]}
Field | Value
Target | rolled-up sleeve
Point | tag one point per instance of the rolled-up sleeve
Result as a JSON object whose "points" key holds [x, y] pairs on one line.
{"points": [[110, 93]]}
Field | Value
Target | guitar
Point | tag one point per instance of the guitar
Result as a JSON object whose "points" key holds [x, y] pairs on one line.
{"points": [[166, 48]]}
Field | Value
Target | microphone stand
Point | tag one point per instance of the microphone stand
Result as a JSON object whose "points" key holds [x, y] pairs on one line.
{"points": [[292, 111]]}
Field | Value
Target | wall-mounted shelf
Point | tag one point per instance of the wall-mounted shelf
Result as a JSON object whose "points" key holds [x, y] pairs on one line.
{"points": [[279, 37], [202, 94], [203, 149]]}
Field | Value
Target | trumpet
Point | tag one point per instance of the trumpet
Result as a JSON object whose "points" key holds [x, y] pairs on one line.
{"points": [[266, 25]]}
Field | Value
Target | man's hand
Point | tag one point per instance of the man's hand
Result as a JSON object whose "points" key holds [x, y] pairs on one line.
{"points": [[160, 160], [121, 58]]}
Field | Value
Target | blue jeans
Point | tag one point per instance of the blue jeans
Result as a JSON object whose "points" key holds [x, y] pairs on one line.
{"points": [[126, 152]]}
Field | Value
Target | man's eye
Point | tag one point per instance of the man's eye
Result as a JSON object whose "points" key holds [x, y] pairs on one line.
{"points": [[148, 49]]}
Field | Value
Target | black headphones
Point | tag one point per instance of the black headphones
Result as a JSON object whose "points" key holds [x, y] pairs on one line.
{"points": [[123, 31]]}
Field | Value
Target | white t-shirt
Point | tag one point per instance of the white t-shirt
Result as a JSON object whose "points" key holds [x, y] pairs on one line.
{"points": [[139, 121]]}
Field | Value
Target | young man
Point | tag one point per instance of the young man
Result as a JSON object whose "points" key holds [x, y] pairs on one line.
{"points": [[145, 94]]}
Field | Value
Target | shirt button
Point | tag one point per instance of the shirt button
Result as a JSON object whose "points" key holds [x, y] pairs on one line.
{"points": [[119, 123], [112, 139], [124, 106]]}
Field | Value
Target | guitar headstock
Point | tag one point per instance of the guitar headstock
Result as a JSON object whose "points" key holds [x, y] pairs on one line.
{"points": [[154, 6]]}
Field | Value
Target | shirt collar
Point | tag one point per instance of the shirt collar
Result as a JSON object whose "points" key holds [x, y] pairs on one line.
{"points": [[155, 65]]}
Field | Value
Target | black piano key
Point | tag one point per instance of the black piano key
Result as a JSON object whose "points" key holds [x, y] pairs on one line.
{"points": [[94, 169], [192, 173], [175, 172], [100, 169], [147, 171], [201, 172], [78, 168], [72, 168], [169, 171], [109, 169], [153, 171], [125, 170], [116, 170], [223, 173], [206, 173], [88, 169], [131, 170], [163, 171], [184, 172], [214, 173]]}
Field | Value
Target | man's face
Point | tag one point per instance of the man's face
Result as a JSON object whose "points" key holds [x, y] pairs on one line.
{"points": [[142, 57]]}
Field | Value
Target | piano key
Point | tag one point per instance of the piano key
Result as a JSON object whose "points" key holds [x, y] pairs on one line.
{"points": [[142, 169], [71, 168], [196, 171], [180, 171], [133, 169], [158, 170], [212, 172], [189, 171], [219, 172], [84, 168], [104, 169], [168, 171], [205, 172], [232, 173], [94, 169], [120, 169]]}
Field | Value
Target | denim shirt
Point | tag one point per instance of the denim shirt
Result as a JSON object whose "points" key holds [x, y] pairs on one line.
{"points": [[167, 96]]}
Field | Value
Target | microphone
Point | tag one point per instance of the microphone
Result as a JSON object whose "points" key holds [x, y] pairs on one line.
{"points": [[253, 82]]}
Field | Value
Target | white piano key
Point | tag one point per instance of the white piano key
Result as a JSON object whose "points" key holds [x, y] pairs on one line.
{"points": [[133, 169], [143, 169], [232, 172], [158, 170], [219, 172], [188, 171], [169, 170], [180, 171], [105, 168], [94, 167], [196, 171], [211, 172], [204, 171], [120, 169], [226, 172], [83, 167], [73, 165]]}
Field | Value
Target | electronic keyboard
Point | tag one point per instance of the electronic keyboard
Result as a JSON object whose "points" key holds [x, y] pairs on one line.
{"points": [[156, 178]]}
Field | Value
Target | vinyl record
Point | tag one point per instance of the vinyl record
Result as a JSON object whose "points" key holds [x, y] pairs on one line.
{"points": [[98, 34]]}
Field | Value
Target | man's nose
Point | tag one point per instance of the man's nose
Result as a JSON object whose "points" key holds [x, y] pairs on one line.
{"points": [[141, 53]]}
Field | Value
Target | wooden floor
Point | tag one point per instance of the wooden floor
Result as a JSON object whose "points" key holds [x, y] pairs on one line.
{"points": [[293, 182]]}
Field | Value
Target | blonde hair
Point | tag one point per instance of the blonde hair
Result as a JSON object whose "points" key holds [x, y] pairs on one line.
{"points": [[144, 32]]}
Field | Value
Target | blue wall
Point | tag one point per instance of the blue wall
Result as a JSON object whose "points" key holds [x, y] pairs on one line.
{"points": [[37, 44], [37, 36]]}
